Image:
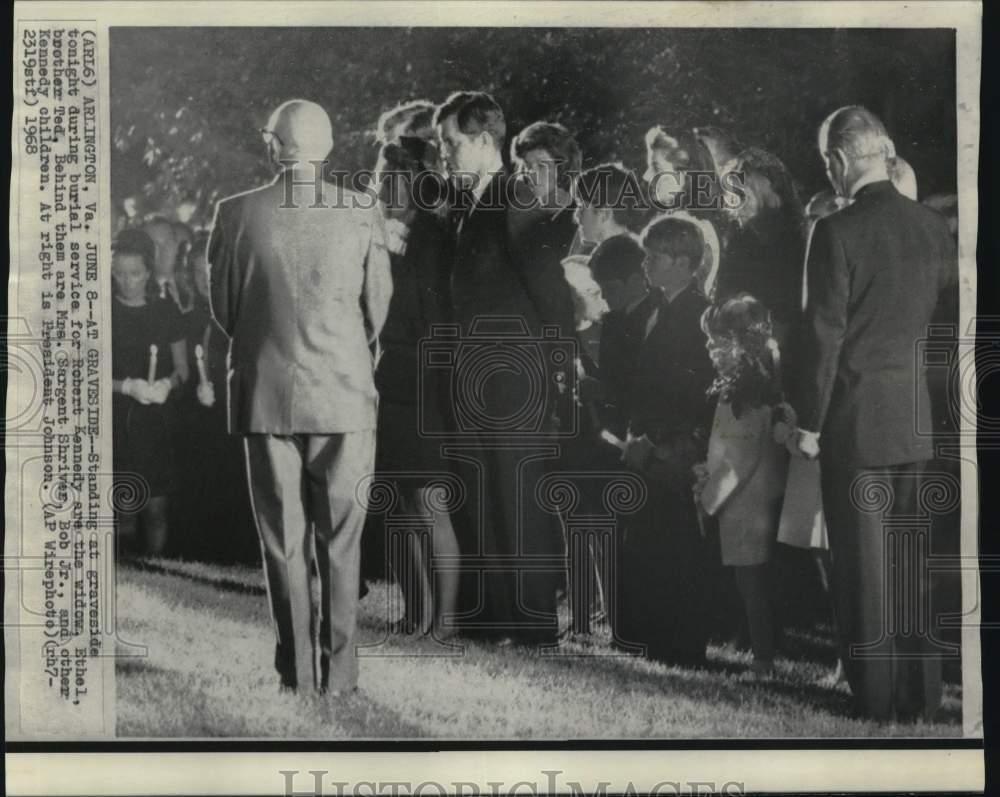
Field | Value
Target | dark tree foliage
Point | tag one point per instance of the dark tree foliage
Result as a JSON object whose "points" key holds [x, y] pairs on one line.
{"points": [[187, 102]]}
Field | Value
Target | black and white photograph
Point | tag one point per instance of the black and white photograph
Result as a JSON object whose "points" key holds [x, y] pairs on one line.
{"points": [[528, 397], [516, 383]]}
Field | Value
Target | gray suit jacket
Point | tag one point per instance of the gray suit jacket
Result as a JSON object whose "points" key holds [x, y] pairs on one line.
{"points": [[303, 292]]}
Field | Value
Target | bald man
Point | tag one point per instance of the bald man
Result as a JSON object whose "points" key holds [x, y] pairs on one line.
{"points": [[300, 281]]}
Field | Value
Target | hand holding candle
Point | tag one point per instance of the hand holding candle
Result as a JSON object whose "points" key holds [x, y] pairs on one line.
{"points": [[151, 377], [199, 356], [160, 390], [205, 390], [637, 452], [609, 437]]}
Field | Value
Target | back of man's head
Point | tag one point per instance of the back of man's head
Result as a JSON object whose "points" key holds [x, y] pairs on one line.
{"points": [[609, 186], [303, 131], [617, 258], [856, 132], [474, 112]]}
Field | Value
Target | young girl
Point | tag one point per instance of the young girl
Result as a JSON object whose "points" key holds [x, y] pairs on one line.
{"points": [[142, 440], [743, 480]]}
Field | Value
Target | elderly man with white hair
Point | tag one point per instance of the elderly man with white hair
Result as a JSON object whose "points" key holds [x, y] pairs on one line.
{"points": [[877, 270], [300, 282]]}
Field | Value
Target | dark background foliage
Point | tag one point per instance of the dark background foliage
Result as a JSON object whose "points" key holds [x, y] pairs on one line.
{"points": [[186, 102]]}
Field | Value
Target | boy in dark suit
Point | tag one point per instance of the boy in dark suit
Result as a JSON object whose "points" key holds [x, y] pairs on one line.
{"points": [[664, 561]]}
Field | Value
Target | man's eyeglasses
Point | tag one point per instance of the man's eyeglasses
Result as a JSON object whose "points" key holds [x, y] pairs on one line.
{"points": [[269, 136]]}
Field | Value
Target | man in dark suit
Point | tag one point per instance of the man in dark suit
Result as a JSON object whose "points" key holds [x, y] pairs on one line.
{"points": [[300, 282], [875, 274], [506, 286]]}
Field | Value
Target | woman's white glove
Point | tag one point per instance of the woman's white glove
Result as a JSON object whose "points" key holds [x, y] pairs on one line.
{"points": [[138, 389], [206, 394], [160, 389]]}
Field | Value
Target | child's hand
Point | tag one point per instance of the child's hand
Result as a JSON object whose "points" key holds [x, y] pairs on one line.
{"points": [[807, 444], [206, 394], [637, 452], [159, 390]]}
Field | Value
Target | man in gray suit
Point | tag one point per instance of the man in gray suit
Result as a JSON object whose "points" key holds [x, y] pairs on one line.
{"points": [[300, 282]]}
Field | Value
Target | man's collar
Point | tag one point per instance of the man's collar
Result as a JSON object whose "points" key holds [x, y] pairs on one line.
{"points": [[488, 187], [480, 188], [495, 170], [636, 303], [571, 207], [669, 299], [869, 183]]}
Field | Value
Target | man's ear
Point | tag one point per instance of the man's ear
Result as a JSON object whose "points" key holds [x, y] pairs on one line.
{"points": [[842, 160]]}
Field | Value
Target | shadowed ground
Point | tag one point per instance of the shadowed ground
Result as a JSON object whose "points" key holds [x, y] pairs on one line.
{"points": [[206, 671]]}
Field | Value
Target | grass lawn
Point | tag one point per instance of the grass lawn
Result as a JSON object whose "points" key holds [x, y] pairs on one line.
{"points": [[206, 671]]}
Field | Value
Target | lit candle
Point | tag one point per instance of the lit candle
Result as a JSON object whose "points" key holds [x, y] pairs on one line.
{"points": [[152, 363], [199, 356], [616, 441]]}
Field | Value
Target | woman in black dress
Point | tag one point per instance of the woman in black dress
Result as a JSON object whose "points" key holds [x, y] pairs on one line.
{"points": [[418, 240], [765, 251], [148, 363]]}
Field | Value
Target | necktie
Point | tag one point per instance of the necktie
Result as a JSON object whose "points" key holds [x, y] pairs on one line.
{"points": [[659, 301]]}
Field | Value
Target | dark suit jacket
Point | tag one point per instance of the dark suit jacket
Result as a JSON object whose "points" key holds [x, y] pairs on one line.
{"points": [[673, 373], [875, 273], [508, 260], [621, 342], [302, 292]]}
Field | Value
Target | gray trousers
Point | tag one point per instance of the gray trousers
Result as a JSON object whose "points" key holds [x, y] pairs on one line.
{"points": [[303, 492]]}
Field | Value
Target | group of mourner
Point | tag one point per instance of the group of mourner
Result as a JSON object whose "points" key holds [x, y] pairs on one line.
{"points": [[623, 390]]}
